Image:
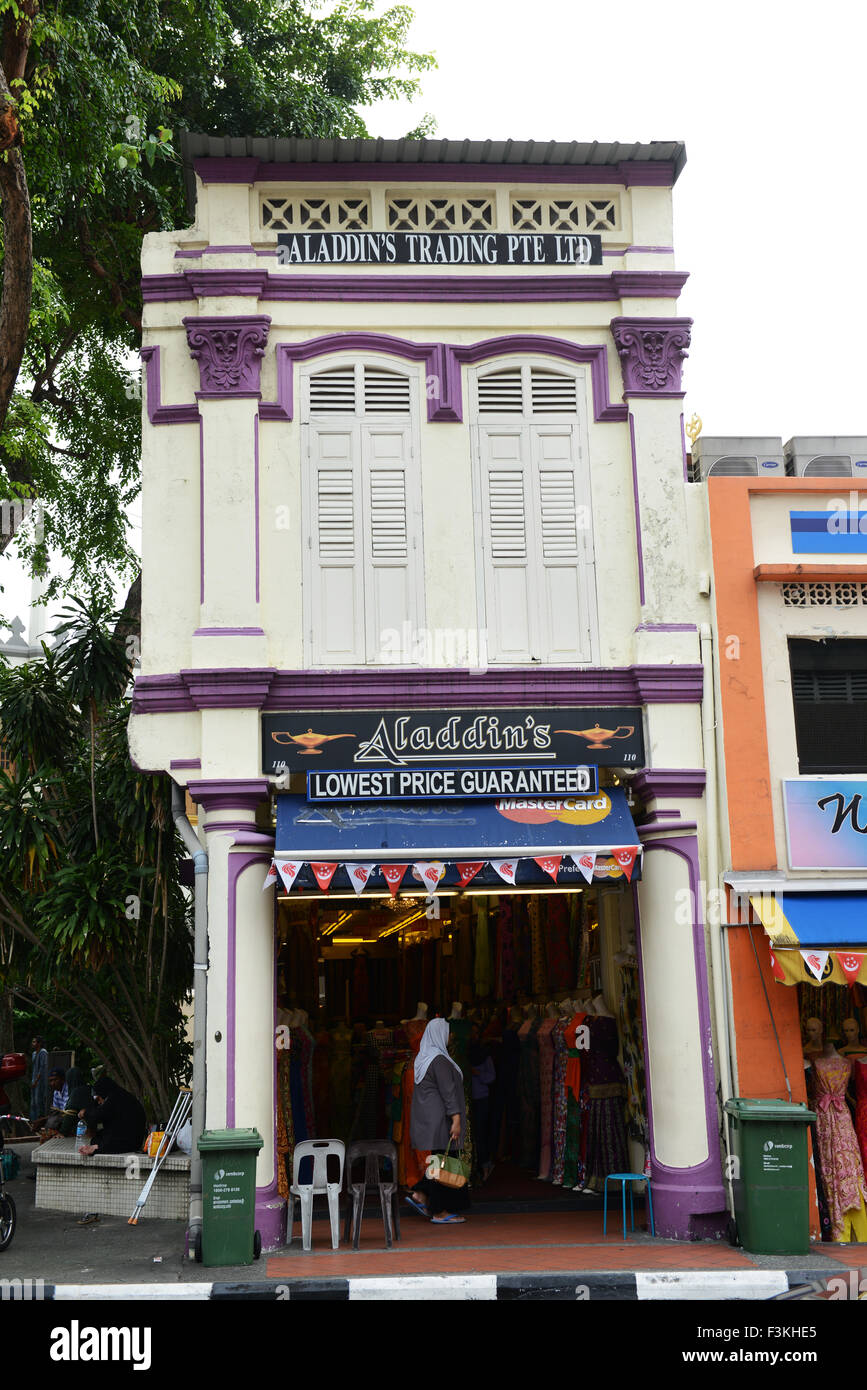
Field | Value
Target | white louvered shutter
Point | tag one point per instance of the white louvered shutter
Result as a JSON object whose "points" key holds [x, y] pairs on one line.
{"points": [[511, 614], [337, 546], [391, 528], [564, 559]]}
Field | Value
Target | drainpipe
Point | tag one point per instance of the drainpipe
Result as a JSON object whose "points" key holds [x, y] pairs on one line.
{"points": [[717, 951], [200, 995]]}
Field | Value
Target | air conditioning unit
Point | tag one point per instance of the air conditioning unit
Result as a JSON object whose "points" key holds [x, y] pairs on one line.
{"points": [[827, 456], [738, 456]]}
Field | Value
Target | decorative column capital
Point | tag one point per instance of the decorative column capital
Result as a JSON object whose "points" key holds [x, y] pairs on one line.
{"points": [[229, 351], [651, 354]]}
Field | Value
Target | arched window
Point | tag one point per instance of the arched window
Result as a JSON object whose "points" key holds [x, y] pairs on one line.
{"points": [[533, 515], [363, 558]]}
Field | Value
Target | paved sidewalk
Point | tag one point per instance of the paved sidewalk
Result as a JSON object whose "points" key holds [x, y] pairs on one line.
{"points": [[525, 1255]]}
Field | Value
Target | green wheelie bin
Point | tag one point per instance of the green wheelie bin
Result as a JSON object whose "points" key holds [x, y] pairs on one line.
{"points": [[228, 1235], [770, 1180]]}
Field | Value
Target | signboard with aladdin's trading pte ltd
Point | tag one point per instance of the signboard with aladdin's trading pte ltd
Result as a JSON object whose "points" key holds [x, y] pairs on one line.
{"points": [[529, 736], [439, 248]]}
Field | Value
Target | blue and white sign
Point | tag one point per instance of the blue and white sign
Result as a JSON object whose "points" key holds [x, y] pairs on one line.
{"points": [[826, 822], [834, 531], [435, 783]]}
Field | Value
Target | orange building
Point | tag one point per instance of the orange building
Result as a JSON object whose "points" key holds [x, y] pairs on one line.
{"points": [[789, 559]]}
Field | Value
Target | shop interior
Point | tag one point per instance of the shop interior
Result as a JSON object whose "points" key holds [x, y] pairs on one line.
{"points": [[834, 1033], [541, 991]]}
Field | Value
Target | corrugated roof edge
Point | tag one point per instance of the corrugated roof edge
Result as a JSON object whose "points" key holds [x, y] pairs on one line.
{"points": [[553, 153]]}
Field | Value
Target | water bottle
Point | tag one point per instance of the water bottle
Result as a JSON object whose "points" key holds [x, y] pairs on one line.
{"points": [[80, 1134]]}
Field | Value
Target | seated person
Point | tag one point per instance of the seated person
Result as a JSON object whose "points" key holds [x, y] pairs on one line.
{"points": [[58, 1090], [117, 1120], [80, 1098]]}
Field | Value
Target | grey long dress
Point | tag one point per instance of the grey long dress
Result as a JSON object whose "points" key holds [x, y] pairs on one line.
{"points": [[439, 1094]]}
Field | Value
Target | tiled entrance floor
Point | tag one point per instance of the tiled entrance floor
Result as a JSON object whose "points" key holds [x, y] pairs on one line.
{"points": [[550, 1242]]}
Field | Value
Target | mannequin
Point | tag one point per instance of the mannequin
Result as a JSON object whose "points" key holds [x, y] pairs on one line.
{"points": [[813, 1037], [852, 1044], [421, 1010], [600, 1008], [457, 1009]]}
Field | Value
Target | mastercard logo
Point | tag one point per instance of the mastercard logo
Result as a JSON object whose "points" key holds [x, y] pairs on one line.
{"points": [[571, 810]]}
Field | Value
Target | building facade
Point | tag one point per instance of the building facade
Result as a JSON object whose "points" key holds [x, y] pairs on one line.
{"points": [[790, 605], [414, 469]]}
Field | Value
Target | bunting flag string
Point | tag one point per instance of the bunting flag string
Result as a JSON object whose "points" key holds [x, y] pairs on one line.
{"points": [[430, 873], [625, 858], [815, 962], [850, 963], [393, 874], [506, 868], [466, 872]]}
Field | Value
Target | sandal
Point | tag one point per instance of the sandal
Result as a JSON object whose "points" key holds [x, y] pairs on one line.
{"points": [[447, 1220], [419, 1207]]}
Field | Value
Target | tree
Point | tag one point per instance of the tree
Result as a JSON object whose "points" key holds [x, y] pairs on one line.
{"points": [[90, 93], [95, 932]]}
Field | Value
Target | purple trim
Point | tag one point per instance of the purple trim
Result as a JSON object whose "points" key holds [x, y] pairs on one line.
{"points": [[160, 414], [256, 497], [648, 173], [186, 762], [249, 249], [680, 1195], [651, 354], [229, 350], [666, 627], [663, 821], [226, 795], [442, 364], [665, 781], [201, 510], [683, 449], [638, 543], [233, 825], [654, 250], [445, 687], [454, 289], [237, 864], [229, 631]]}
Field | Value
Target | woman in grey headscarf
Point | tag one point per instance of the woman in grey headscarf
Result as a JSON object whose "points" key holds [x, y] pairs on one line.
{"points": [[438, 1118]]}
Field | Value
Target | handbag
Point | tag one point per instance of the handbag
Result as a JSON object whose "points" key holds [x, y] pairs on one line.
{"points": [[451, 1172]]}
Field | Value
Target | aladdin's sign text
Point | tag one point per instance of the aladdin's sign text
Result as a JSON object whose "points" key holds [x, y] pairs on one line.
{"points": [[439, 248]]}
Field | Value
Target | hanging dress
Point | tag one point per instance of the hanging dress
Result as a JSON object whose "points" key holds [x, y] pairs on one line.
{"points": [[558, 1101], [859, 1077], [529, 1100], [545, 1039], [842, 1169], [573, 1161], [410, 1161], [301, 1083], [607, 1150]]}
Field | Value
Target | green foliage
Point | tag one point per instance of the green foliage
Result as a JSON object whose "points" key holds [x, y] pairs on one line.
{"points": [[107, 87], [94, 932]]}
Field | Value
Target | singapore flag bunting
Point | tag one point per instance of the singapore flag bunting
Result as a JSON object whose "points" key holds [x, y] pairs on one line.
{"points": [[550, 864], [850, 963], [359, 875], [289, 870], [625, 858], [815, 962], [270, 877], [324, 873], [586, 863], [393, 874], [506, 868]]}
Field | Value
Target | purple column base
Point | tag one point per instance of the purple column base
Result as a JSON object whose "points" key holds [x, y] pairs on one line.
{"points": [[271, 1217], [689, 1203]]}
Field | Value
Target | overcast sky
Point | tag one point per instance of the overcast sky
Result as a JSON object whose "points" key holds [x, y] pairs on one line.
{"points": [[770, 209]]}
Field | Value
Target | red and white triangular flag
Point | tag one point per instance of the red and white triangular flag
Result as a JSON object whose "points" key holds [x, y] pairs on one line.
{"points": [[289, 870], [270, 877], [586, 863], [324, 873], [626, 858], [430, 873], [393, 874], [776, 969], [506, 868], [550, 864], [466, 872], [359, 875], [850, 963], [815, 962]]}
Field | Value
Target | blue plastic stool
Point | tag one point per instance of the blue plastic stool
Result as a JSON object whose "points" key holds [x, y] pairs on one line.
{"points": [[623, 1179]]}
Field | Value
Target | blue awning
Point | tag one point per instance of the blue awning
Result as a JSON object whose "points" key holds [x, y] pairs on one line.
{"points": [[461, 831], [827, 920]]}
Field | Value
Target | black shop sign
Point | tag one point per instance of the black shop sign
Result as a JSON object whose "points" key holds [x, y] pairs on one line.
{"points": [[439, 248], [527, 736]]}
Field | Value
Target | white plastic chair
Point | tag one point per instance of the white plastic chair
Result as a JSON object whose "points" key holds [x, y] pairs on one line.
{"points": [[320, 1150]]}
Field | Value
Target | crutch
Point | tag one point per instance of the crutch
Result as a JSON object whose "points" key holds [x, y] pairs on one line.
{"points": [[177, 1118]]}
